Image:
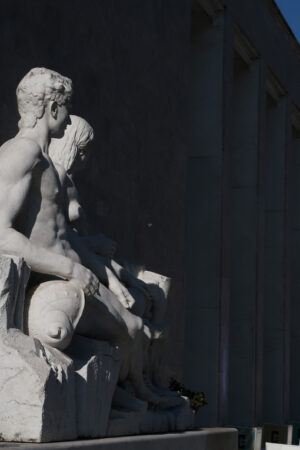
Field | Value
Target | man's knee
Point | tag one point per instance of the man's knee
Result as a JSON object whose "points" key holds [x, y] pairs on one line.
{"points": [[135, 325]]}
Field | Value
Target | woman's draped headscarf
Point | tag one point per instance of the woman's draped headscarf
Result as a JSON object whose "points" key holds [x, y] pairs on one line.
{"points": [[77, 135]]}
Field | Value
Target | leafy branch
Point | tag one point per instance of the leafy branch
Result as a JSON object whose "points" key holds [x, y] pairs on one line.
{"points": [[197, 399]]}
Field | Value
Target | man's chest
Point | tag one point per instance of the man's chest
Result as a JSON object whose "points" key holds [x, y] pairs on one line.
{"points": [[46, 184]]}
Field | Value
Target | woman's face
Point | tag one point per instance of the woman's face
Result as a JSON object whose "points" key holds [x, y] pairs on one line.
{"points": [[82, 156]]}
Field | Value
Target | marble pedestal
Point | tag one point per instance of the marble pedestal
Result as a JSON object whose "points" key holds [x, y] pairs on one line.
{"points": [[204, 439]]}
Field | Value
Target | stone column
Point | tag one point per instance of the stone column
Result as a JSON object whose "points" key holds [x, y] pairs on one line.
{"points": [[287, 262], [206, 339], [260, 236], [295, 270], [274, 253], [244, 192], [226, 219]]}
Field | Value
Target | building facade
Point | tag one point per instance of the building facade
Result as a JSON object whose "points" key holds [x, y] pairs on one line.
{"points": [[195, 172], [243, 263]]}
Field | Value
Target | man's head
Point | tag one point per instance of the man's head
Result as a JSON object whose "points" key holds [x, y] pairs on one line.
{"points": [[40, 89], [71, 151]]}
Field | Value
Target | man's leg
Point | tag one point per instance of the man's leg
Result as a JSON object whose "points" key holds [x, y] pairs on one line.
{"points": [[105, 318]]}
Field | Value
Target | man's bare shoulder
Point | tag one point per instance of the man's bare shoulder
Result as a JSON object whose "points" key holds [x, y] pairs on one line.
{"points": [[22, 144], [20, 153]]}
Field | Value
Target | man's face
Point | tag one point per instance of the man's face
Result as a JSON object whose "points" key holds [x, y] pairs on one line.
{"points": [[59, 120]]}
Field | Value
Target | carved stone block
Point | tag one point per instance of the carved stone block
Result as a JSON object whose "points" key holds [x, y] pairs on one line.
{"points": [[37, 386], [47, 395], [96, 365]]}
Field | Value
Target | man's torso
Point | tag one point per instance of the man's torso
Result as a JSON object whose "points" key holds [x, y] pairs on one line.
{"points": [[40, 218]]}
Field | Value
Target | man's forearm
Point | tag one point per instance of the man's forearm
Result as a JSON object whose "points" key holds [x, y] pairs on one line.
{"points": [[120, 272], [88, 258], [38, 258]]}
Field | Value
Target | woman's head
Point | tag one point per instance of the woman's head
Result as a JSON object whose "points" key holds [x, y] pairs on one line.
{"points": [[73, 144]]}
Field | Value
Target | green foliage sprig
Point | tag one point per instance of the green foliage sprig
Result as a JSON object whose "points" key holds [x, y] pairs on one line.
{"points": [[197, 399]]}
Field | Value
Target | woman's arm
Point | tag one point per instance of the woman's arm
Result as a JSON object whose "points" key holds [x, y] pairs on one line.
{"points": [[76, 217]]}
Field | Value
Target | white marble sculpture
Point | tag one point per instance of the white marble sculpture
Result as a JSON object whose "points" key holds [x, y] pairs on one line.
{"points": [[53, 310], [85, 334], [144, 299]]}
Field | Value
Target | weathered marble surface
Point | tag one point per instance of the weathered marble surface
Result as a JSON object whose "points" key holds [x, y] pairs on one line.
{"points": [[37, 383], [45, 394], [96, 366], [52, 312], [68, 395], [90, 323]]}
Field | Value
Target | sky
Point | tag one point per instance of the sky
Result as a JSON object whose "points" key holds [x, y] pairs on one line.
{"points": [[291, 11]]}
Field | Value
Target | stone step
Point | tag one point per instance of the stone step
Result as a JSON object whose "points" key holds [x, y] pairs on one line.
{"points": [[203, 439]]}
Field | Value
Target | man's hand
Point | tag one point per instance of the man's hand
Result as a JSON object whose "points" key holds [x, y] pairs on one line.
{"points": [[85, 279]]}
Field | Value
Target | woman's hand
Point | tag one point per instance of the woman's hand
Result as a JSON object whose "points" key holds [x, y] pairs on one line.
{"points": [[138, 284], [120, 291]]}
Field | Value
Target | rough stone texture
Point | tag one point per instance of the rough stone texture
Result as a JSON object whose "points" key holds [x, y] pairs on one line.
{"points": [[37, 399], [37, 396], [206, 439], [46, 395], [96, 367]]}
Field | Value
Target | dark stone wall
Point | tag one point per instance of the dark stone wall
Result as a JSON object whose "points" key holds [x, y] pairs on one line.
{"points": [[242, 332], [260, 22], [128, 62]]}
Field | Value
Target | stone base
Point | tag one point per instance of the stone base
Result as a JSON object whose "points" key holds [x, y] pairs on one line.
{"points": [[47, 395], [135, 417], [205, 439]]}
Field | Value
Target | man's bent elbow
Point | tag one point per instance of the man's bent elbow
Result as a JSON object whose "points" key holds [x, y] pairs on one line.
{"points": [[11, 242]]}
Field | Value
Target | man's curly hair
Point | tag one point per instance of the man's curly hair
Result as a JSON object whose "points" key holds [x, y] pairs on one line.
{"points": [[36, 89]]}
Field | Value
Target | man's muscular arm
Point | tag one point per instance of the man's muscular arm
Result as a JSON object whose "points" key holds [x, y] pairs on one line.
{"points": [[17, 166]]}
